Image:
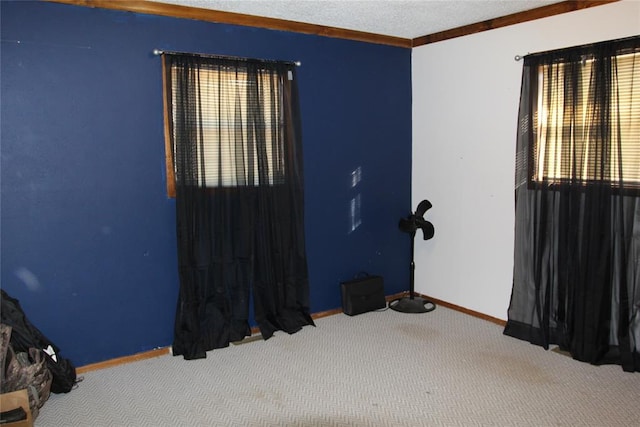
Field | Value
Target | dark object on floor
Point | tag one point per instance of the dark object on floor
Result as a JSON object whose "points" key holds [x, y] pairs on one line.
{"points": [[25, 335], [362, 294], [13, 415], [15, 409], [411, 224]]}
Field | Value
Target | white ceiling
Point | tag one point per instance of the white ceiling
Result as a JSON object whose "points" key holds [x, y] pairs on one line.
{"points": [[399, 18]]}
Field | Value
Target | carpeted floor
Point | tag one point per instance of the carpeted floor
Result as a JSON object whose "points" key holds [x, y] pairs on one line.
{"points": [[442, 368]]}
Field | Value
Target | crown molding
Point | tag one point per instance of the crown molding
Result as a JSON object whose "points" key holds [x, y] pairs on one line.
{"points": [[515, 18], [178, 11]]}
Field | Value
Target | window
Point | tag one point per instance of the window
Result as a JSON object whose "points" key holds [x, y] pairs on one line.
{"points": [[587, 121], [238, 126]]}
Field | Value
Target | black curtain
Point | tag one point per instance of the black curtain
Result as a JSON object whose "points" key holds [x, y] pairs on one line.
{"points": [[237, 150], [577, 231]]}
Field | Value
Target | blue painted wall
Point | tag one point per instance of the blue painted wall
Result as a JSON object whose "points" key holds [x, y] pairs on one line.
{"points": [[87, 231]]}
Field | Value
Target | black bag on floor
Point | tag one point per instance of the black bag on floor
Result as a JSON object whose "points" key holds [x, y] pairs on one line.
{"points": [[362, 294], [25, 335]]}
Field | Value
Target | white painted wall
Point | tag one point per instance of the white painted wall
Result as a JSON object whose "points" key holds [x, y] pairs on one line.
{"points": [[465, 105]]}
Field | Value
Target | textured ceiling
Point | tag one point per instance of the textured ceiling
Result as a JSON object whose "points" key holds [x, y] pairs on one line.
{"points": [[399, 18]]}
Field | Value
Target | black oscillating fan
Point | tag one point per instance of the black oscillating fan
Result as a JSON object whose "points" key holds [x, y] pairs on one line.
{"points": [[411, 225]]}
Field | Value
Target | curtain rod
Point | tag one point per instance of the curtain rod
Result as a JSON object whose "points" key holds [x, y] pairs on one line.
{"points": [[158, 52], [628, 41]]}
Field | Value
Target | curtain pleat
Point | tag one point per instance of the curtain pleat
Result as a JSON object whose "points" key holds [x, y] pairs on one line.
{"points": [[240, 219], [577, 238]]}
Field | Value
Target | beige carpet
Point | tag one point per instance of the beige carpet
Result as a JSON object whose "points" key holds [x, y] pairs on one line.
{"points": [[442, 368]]}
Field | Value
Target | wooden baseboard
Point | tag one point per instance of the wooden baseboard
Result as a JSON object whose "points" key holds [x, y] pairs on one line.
{"points": [[464, 310], [122, 360], [167, 350]]}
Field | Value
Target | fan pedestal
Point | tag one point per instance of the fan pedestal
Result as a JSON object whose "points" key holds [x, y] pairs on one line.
{"points": [[412, 305]]}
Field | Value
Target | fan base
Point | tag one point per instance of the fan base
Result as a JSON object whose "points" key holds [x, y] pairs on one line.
{"points": [[412, 305]]}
